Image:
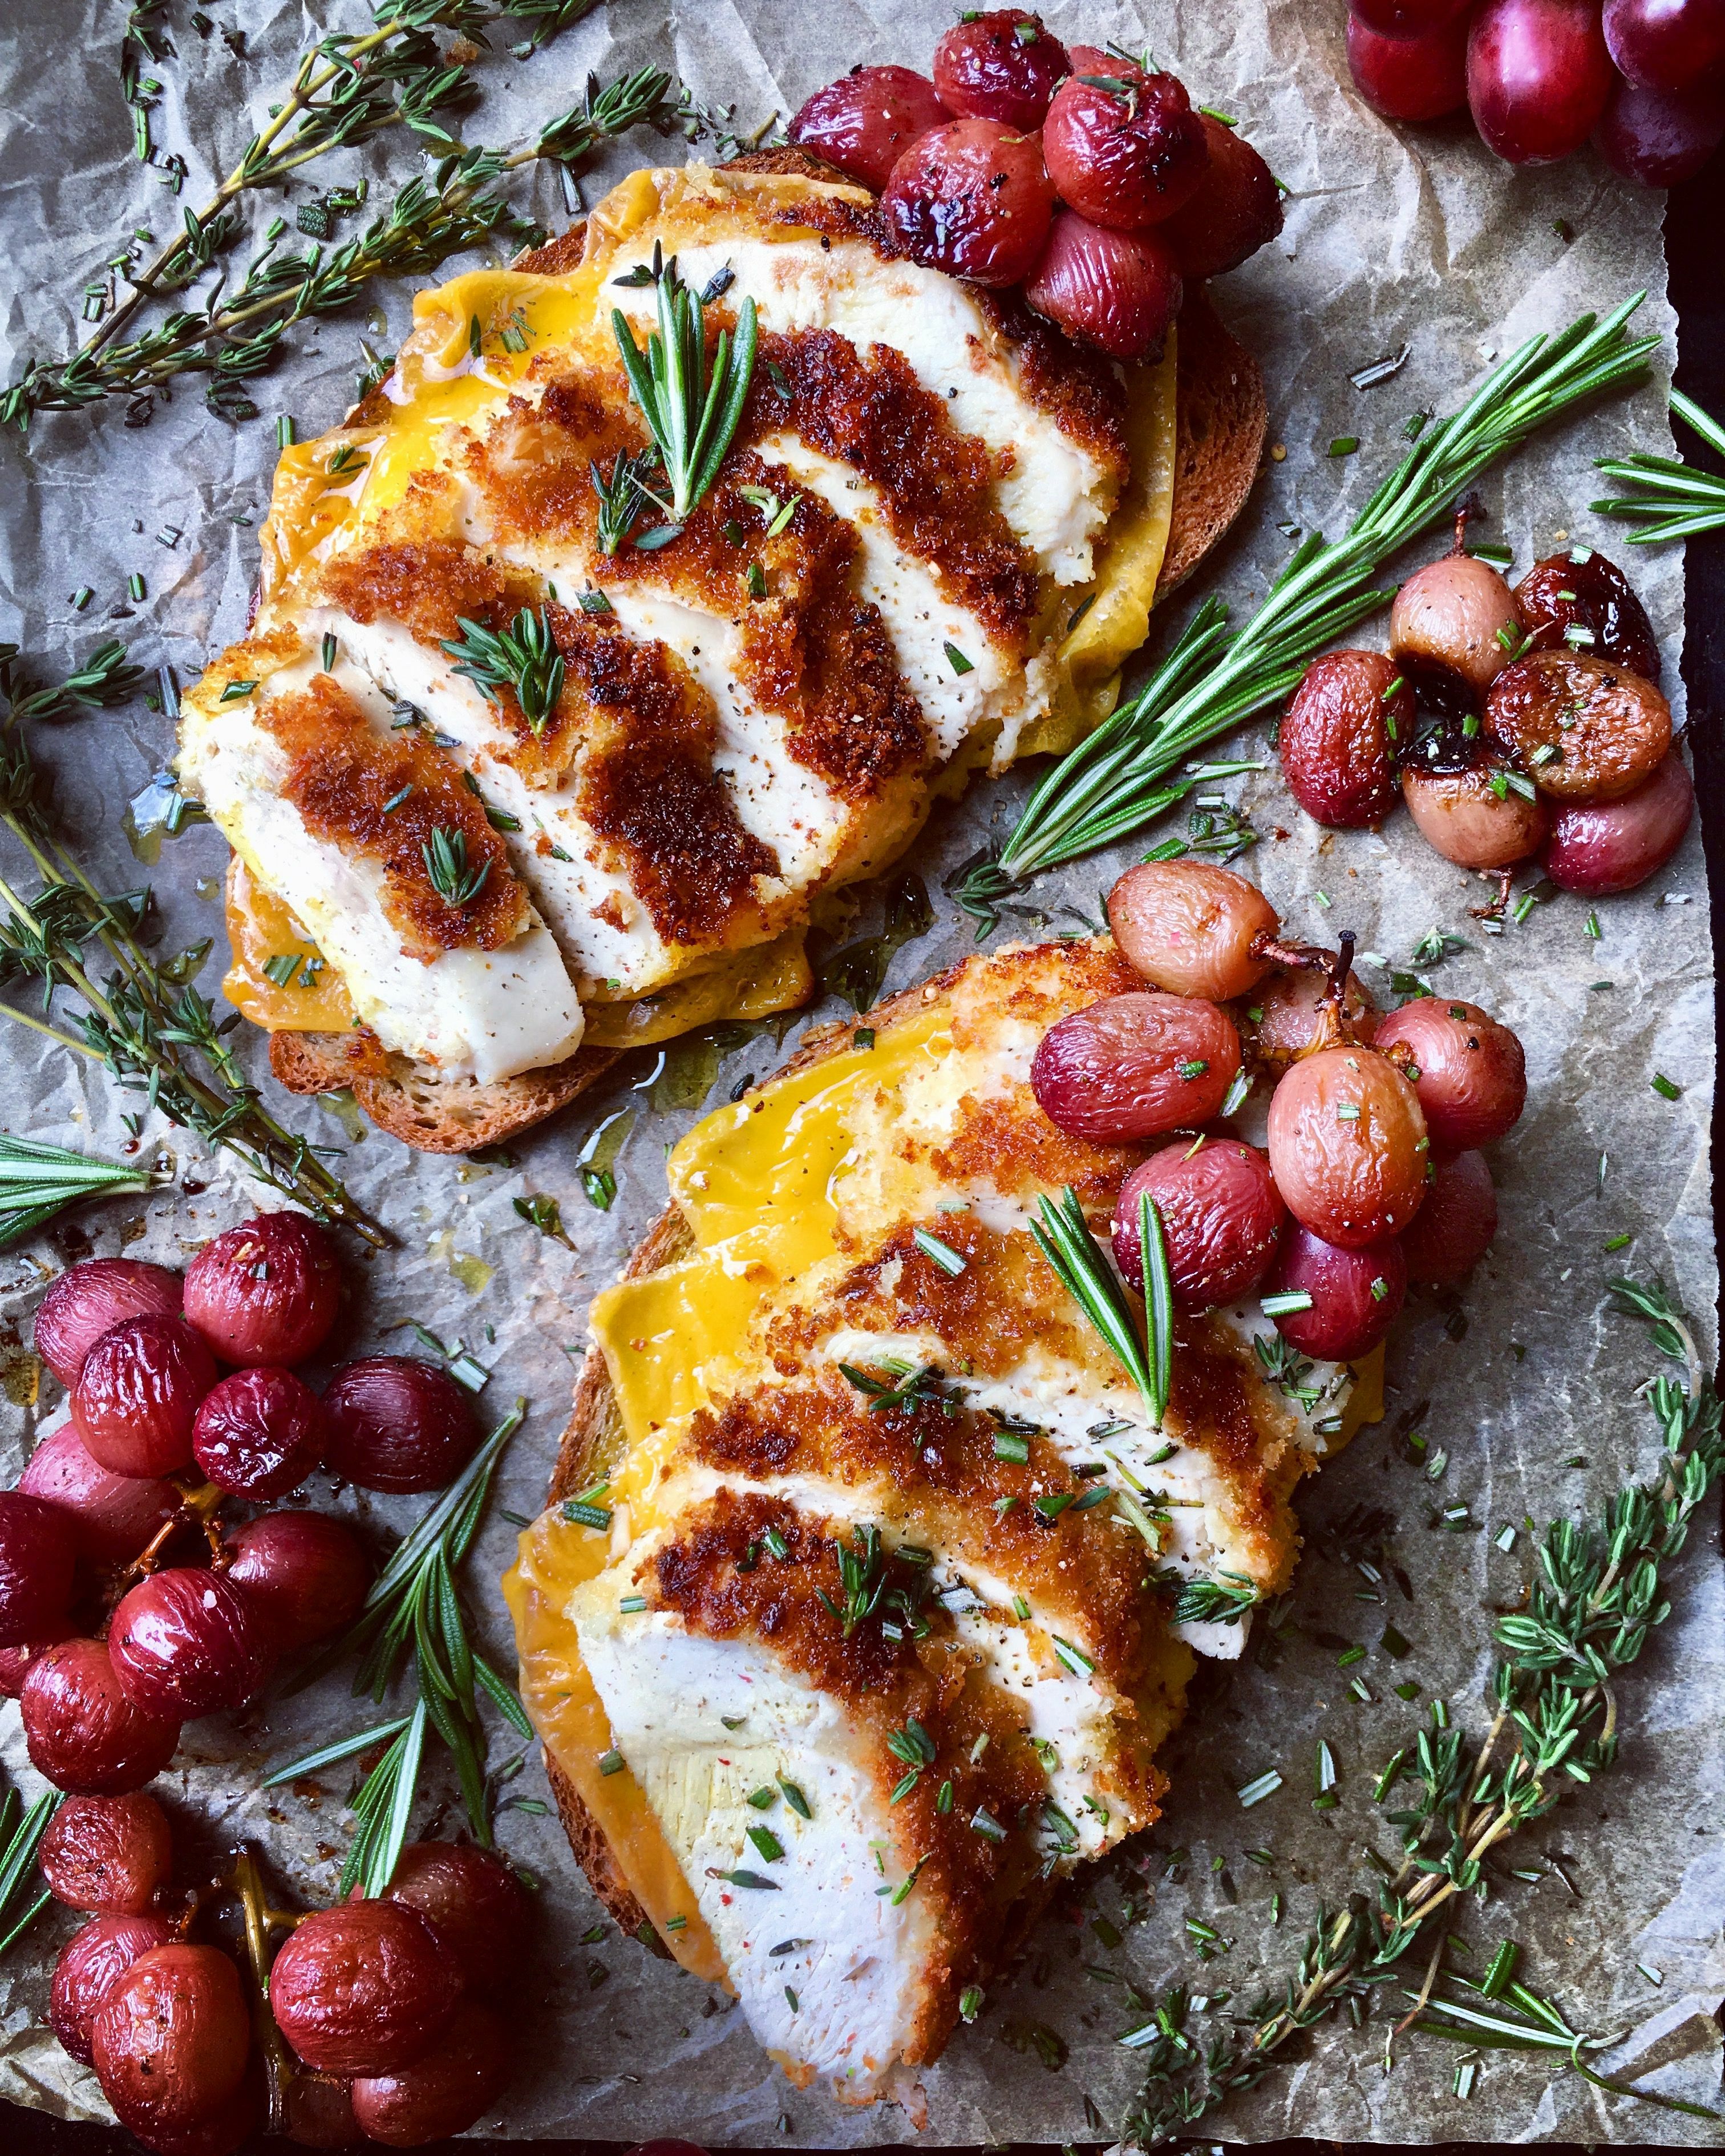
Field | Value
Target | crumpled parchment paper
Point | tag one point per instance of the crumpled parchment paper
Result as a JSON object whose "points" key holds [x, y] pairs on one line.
{"points": [[1394, 238]]}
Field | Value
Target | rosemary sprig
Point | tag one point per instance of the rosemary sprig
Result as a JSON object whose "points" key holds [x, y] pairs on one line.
{"points": [[445, 856], [862, 1579], [1064, 1240], [1670, 499], [624, 496], [37, 1181], [105, 679], [1159, 1303], [1211, 679], [523, 658], [21, 1834], [691, 411], [1224, 1599], [904, 1384]]}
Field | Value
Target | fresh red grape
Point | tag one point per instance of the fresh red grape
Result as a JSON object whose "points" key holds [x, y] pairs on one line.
{"points": [[82, 1731], [1289, 1013], [187, 1642], [866, 121], [108, 1854], [1347, 1146], [260, 1434], [1581, 597], [90, 1299], [1411, 79], [972, 198], [1117, 290], [443, 2093], [1124, 148], [16, 1663], [1221, 1215], [1464, 816], [319, 2111], [1001, 64], [1598, 847], [172, 2039], [365, 1987], [1453, 1229], [1408, 18], [398, 1425], [305, 1575], [1584, 729], [91, 1963], [1659, 138], [112, 1517], [1191, 928], [472, 1901], [1134, 1065], [1356, 1294], [138, 1393], [1234, 212], [266, 1291], [1665, 45], [1469, 1070], [1537, 77], [38, 1554], [1338, 739], [1453, 628]]}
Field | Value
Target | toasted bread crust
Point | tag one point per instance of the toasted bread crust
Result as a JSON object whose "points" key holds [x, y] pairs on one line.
{"points": [[1222, 418]]}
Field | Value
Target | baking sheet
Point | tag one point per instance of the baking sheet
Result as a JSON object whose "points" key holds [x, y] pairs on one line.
{"points": [[1393, 237]]}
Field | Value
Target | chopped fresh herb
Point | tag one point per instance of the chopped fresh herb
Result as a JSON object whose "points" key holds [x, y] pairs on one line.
{"points": [[957, 661], [943, 1255], [444, 853], [766, 1843], [1667, 1088], [523, 659]]}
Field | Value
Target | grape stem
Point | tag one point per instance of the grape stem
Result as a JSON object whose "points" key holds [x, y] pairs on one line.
{"points": [[247, 1881]]}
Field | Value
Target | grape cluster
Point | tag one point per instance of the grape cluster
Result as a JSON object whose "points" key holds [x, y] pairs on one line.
{"points": [[128, 1605], [1512, 722], [1645, 80], [1372, 1175], [1088, 181]]}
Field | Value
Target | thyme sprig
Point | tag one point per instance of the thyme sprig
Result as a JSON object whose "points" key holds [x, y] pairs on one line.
{"points": [[37, 1181], [691, 409], [1668, 499], [523, 659], [1211, 679], [21, 1832], [1063, 1238]]}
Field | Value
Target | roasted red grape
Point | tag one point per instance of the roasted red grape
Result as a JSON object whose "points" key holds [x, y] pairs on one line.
{"points": [[38, 1553], [1581, 600], [82, 1731], [1236, 211], [1665, 45], [187, 1642], [91, 1963], [1124, 148], [398, 1425], [1453, 628], [1356, 1294], [1117, 290], [472, 1901], [365, 1987], [443, 2093], [1582, 728], [303, 1573], [225, 2130], [1001, 64], [90, 1299], [1474, 817], [866, 121], [266, 1291], [1134, 1065], [1408, 18], [1537, 77], [1347, 1146], [1221, 1214], [108, 1854], [1338, 738], [260, 1434], [1453, 1229], [972, 198], [16, 1663], [1289, 1013], [1598, 847], [319, 2111], [1191, 928], [1468, 1071], [138, 1393], [112, 1517], [1659, 138], [172, 2039], [1416, 77]]}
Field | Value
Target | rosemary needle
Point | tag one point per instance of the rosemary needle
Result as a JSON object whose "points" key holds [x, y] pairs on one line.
{"points": [[1669, 499]]}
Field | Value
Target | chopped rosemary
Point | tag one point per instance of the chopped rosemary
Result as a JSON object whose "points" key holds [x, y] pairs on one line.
{"points": [[444, 853]]}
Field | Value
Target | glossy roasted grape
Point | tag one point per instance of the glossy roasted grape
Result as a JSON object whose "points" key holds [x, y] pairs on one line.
{"points": [[17, 1662], [1124, 148], [1221, 1217], [227, 2128], [319, 2111], [1408, 18], [110, 1854], [1236, 210], [265, 1292], [1000, 65], [398, 1425], [1537, 77], [1582, 729], [365, 1987], [972, 198], [446, 2092], [1289, 1014], [91, 1963], [172, 2039], [1191, 928], [303, 1573], [1115, 291], [1409, 78], [1453, 1229], [1474, 817], [187, 1642], [1356, 1294], [138, 1393], [82, 1732], [1469, 1070], [1599, 847], [1347, 1146], [1453, 629], [90, 1299], [1338, 738], [1665, 45], [260, 1434], [1581, 600], [38, 1554], [1659, 138], [112, 1517], [866, 121], [472, 1901], [1132, 1066]]}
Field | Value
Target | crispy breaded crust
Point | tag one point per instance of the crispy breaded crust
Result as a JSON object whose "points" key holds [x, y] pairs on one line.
{"points": [[437, 1115]]}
